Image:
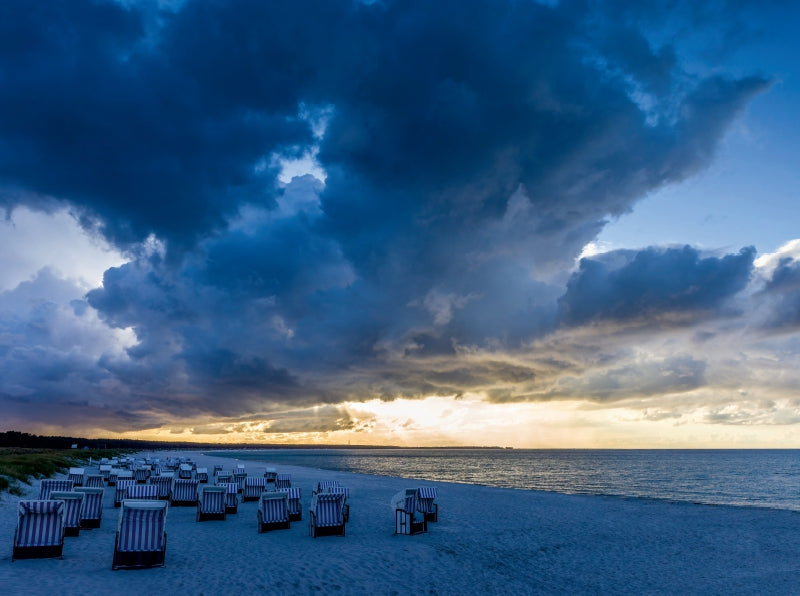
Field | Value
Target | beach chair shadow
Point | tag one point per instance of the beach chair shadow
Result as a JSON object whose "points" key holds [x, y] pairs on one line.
{"points": [[40, 530], [211, 503], [273, 512], [326, 515], [141, 539], [407, 520]]}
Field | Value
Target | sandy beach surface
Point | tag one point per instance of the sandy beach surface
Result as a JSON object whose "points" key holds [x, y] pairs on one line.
{"points": [[487, 541]]}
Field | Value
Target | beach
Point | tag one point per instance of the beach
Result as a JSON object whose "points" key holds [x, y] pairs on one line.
{"points": [[486, 541]]}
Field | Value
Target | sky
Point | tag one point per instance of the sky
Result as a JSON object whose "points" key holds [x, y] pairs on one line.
{"points": [[504, 222]]}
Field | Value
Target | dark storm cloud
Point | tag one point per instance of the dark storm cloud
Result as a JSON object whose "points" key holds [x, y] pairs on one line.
{"points": [[471, 149], [653, 283], [783, 291]]}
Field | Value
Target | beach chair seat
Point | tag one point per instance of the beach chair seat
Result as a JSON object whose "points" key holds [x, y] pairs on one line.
{"points": [[121, 490], [92, 510], [73, 503], [184, 492], [273, 512], [94, 481], [164, 482], [326, 515], [142, 492], [40, 529], [253, 487], [407, 520], [283, 481], [231, 496], [77, 476], [426, 497], [49, 485], [141, 539], [201, 474], [293, 496], [211, 503]]}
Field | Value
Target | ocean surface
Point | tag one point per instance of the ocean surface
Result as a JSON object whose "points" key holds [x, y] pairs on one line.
{"points": [[757, 478]]}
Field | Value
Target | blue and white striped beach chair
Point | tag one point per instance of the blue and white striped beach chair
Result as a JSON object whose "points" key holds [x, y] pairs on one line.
{"points": [[77, 476], [142, 492], [201, 475], [407, 520], [73, 503], [164, 482], [231, 496], [184, 492], [92, 510], [253, 487], [40, 529], [273, 512], [49, 485], [141, 539], [94, 481], [283, 481], [426, 504], [121, 490], [211, 502], [326, 515], [293, 496]]}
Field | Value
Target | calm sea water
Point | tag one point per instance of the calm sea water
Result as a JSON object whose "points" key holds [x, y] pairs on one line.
{"points": [[760, 478]]}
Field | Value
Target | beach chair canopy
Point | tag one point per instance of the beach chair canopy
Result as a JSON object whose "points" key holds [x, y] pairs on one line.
{"points": [[426, 497]]}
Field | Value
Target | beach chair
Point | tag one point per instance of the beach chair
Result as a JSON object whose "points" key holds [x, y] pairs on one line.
{"points": [[293, 496], [253, 487], [185, 471], [105, 471], [164, 483], [326, 516], [121, 490], [407, 520], [223, 477], [141, 539], [141, 474], [273, 512], [73, 503], [40, 530], [211, 503], [283, 481], [239, 477], [201, 474], [77, 476], [271, 474], [142, 492], [92, 510], [49, 485], [217, 469], [231, 496], [342, 490], [94, 481], [323, 486], [426, 503], [184, 492]]}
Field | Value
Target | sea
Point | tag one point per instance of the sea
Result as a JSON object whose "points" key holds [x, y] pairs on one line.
{"points": [[754, 478]]}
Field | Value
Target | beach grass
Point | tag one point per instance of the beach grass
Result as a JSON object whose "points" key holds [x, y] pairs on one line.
{"points": [[20, 464]]}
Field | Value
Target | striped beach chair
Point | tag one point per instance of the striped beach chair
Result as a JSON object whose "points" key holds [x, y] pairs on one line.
{"points": [[77, 476], [185, 471], [92, 510], [273, 512], [164, 483], [426, 503], [141, 539], [324, 486], [223, 477], [211, 503], [141, 474], [407, 520], [343, 490], [40, 530], [283, 481], [231, 496], [253, 487], [94, 481], [201, 474], [105, 471], [293, 496], [326, 515], [184, 492], [271, 474], [49, 485], [142, 492], [217, 469], [239, 477], [73, 504], [121, 490]]}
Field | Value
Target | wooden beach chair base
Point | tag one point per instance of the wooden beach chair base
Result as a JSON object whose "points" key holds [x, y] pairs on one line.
{"points": [[138, 559]]}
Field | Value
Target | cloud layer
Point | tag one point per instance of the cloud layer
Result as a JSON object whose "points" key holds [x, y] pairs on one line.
{"points": [[470, 152]]}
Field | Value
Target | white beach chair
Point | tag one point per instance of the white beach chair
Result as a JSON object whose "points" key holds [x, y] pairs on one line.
{"points": [[326, 515], [73, 503], [407, 520], [141, 539], [92, 510], [273, 512], [49, 485], [40, 529], [211, 503], [253, 487]]}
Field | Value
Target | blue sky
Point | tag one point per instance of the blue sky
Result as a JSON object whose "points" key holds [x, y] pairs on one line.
{"points": [[489, 222]]}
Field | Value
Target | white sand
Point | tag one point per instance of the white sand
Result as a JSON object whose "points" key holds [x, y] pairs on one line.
{"points": [[487, 541]]}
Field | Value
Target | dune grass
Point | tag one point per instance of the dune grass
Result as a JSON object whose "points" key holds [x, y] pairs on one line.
{"points": [[21, 465]]}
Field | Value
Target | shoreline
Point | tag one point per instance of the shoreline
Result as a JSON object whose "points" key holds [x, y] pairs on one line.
{"points": [[487, 539]]}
